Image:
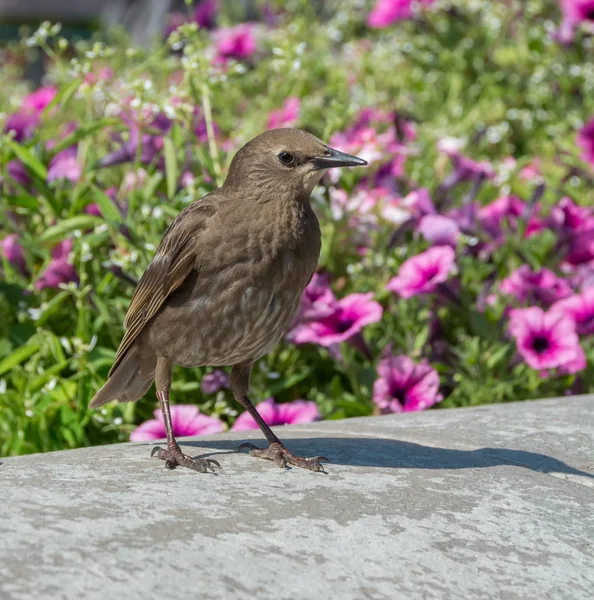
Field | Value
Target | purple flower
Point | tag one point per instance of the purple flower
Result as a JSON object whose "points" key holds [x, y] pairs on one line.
{"points": [[421, 274], [235, 42], [546, 340], [186, 420], [580, 308], [205, 14], [65, 165], [212, 382], [585, 140], [542, 286], [59, 270], [287, 116], [348, 318], [465, 169], [439, 230], [22, 124], [13, 251], [386, 12], [506, 212], [17, 172], [405, 386], [288, 413], [151, 143]]}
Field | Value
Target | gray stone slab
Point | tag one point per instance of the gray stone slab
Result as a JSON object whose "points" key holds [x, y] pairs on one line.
{"points": [[488, 502]]}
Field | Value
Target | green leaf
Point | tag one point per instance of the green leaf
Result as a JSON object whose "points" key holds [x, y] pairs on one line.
{"points": [[24, 201], [17, 357], [62, 97], [107, 206], [60, 230], [170, 167], [28, 159], [84, 131]]}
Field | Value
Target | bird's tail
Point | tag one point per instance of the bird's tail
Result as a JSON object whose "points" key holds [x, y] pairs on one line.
{"points": [[130, 381]]}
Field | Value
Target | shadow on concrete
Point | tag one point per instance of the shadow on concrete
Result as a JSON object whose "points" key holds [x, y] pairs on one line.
{"points": [[371, 452]]}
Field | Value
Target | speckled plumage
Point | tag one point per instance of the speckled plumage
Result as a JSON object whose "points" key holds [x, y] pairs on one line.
{"points": [[227, 278]]}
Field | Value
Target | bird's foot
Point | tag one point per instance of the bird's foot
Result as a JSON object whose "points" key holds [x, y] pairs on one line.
{"points": [[174, 457], [281, 457]]}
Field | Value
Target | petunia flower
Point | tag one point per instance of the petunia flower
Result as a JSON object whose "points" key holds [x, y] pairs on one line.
{"points": [[60, 270], [580, 308], [575, 13], [205, 14], [25, 120], [439, 230], [505, 213], [405, 386], [287, 413], [12, 250], [17, 172], [421, 274], [546, 340], [65, 165], [542, 286], [585, 139], [186, 420], [386, 12], [212, 382], [236, 42], [348, 318], [287, 116]]}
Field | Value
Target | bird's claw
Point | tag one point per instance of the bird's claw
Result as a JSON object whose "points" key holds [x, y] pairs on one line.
{"points": [[281, 457], [174, 457]]}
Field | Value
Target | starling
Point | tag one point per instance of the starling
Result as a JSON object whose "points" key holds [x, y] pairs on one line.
{"points": [[226, 282]]}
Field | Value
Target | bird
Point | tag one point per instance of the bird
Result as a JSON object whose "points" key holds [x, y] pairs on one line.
{"points": [[225, 284]]}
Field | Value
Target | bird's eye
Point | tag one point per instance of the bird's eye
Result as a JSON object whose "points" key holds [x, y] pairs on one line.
{"points": [[286, 158]]}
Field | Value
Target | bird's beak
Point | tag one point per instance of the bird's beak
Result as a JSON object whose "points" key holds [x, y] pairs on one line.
{"points": [[334, 158]]}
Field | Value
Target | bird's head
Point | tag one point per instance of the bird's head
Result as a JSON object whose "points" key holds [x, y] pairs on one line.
{"points": [[285, 161]]}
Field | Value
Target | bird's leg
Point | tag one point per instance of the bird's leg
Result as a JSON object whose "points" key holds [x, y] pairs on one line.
{"points": [[173, 456], [276, 451]]}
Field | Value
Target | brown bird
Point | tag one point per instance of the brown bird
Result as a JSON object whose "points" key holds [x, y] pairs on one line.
{"points": [[226, 281]]}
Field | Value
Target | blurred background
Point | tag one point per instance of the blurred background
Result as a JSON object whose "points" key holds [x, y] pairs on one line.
{"points": [[458, 269]]}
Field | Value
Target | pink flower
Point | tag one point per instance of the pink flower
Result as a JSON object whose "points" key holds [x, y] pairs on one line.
{"points": [[580, 308], [568, 218], [65, 165], [421, 274], [235, 42], [575, 13], [186, 420], [212, 382], [205, 14], [541, 286], [13, 251], [318, 301], [504, 213], [405, 386], [60, 270], [37, 101], [288, 413], [287, 116], [546, 340], [439, 230], [465, 169], [585, 139], [348, 318], [386, 12]]}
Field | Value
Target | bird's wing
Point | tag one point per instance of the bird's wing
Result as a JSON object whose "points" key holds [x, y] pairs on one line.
{"points": [[173, 261]]}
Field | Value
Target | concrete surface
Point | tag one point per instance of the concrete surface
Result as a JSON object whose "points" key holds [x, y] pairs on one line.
{"points": [[489, 502]]}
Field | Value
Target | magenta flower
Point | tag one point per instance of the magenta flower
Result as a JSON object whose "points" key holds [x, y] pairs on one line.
{"points": [[22, 124], [205, 14], [60, 270], [236, 42], [386, 12], [287, 116], [580, 308], [186, 420], [567, 217], [439, 230], [213, 382], [288, 413], [504, 213], [13, 251], [318, 300], [405, 386], [37, 101], [348, 318], [65, 165], [542, 286], [585, 140], [575, 13], [546, 340], [421, 274], [465, 169], [18, 173]]}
